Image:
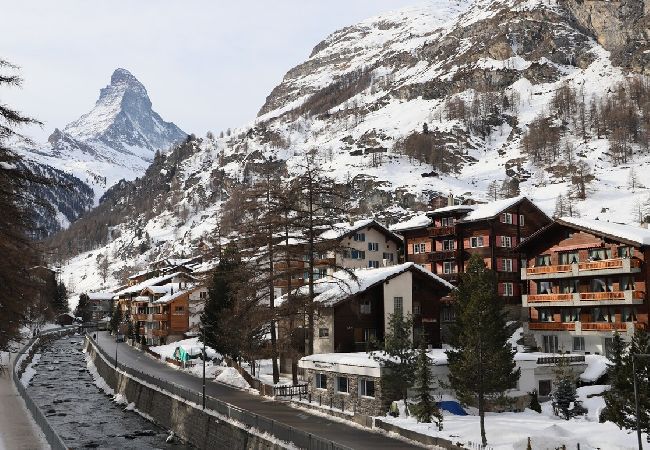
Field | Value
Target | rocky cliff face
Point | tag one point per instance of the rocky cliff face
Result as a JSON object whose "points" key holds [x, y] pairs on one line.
{"points": [[620, 26]]}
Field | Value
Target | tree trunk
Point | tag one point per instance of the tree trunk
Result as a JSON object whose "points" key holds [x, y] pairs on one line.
{"points": [[274, 339]]}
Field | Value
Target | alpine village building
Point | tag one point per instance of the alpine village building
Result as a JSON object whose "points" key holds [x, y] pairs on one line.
{"points": [[443, 240], [583, 281]]}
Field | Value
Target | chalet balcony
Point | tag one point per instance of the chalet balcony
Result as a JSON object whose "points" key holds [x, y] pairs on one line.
{"points": [[585, 299], [139, 317], [442, 231], [451, 277], [445, 255], [159, 317], [160, 333], [552, 326], [615, 266], [585, 326]]}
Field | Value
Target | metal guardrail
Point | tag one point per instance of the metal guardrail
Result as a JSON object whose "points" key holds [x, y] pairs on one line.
{"points": [[263, 424], [50, 435], [290, 391]]}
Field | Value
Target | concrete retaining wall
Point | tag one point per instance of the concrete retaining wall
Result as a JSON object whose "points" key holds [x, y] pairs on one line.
{"points": [[187, 421]]}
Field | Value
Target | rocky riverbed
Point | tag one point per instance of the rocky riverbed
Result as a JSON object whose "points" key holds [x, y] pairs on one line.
{"points": [[82, 414]]}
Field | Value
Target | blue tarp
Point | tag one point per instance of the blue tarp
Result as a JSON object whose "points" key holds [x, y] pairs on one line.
{"points": [[452, 407]]}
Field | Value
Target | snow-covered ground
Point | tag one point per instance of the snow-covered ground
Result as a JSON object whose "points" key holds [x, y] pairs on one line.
{"points": [[29, 371], [264, 372], [510, 431]]}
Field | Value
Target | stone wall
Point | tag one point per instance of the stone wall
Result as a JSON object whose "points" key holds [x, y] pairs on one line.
{"points": [[352, 401], [188, 422]]}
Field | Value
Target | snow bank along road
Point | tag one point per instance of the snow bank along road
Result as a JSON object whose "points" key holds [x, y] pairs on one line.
{"points": [[341, 433]]}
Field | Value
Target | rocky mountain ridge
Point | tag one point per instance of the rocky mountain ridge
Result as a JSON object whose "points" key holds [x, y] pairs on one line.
{"points": [[482, 98], [116, 140]]}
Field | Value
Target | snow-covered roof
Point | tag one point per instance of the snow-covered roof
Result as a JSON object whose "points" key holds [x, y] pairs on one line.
{"points": [[139, 274], [418, 221], [101, 295], [165, 288], [639, 235], [137, 288], [492, 209], [453, 208], [341, 285], [341, 229], [171, 296], [359, 359]]}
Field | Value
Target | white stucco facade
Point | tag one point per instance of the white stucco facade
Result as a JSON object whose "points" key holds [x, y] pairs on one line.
{"points": [[400, 286]]}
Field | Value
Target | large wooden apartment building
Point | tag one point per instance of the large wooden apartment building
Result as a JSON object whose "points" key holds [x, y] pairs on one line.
{"points": [[443, 240], [584, 280]]}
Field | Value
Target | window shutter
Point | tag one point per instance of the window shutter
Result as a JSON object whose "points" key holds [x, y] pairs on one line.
{"points": [[486, 240], [369, 246], [516, 289], [499, 241], [515, 263], [499, 263], [514, 241], [501, 289], [515, 219]]}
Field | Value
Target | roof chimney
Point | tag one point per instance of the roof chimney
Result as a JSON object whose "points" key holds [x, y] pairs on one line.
{"points": [[450, 199]]}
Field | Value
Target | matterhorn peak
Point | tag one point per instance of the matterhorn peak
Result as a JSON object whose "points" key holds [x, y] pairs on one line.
{"points": [[123, 119]]}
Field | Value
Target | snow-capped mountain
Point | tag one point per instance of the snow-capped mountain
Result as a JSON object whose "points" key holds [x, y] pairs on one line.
{"points": [[448, 96], [116, 140]]}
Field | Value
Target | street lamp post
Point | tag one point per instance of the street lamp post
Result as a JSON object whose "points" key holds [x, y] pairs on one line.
{"points": [[116, 342], [203, 358]]}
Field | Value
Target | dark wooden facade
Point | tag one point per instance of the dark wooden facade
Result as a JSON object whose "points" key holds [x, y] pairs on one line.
{"points": [[453, 237]]}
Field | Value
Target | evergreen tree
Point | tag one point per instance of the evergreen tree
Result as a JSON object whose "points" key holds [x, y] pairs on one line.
{"points": [[565, 403], [219, 308], [534, 402], [640, 344], [481, 362], [60, 299], [116, 319], [620, 380], [83, 308], [398, 357], [426, 409]]}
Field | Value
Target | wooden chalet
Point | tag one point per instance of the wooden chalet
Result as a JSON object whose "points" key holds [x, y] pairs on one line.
{"points": [[584, 280]]}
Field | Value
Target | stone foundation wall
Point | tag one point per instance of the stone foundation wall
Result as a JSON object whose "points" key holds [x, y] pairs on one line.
{"points": [[188, 422], [352, 401]]}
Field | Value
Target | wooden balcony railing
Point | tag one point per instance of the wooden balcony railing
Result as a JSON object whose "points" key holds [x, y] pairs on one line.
{"points": [[441, 231], [548, 269], [160, 332], [598, 326], [442, 255], [139, 317], [550, 298], [600, 265], [158, 317], [552, 326]]}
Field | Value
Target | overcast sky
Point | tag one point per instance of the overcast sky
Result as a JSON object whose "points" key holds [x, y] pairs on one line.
{"points": [[207, 65]]}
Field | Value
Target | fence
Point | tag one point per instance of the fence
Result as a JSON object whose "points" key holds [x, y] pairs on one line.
{"points": [[50, 435], [263, 424], [289, 391]]}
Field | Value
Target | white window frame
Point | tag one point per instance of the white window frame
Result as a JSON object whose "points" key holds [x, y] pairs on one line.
{"points": [[448, 267], [318, 378], [449, 243], [506, 218], [508, 289], [373, 246], [522, 222], [365, 307], [360, 237], [506, 265], [373, 264], [581, 340], [363, 388], [398, 304], [506, 241], [476, 241]]}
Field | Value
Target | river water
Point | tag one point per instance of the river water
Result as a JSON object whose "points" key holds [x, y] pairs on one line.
{"points": [[82, 414]]}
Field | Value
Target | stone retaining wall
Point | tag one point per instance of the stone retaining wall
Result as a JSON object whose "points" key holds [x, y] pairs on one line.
{"points": [[187, 421]]}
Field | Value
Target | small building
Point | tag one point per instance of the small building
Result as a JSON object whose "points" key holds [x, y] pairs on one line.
{"points": [[351, 314], [100, 304], [65, 319], [585, 279], [197, 298], [361, 244]]}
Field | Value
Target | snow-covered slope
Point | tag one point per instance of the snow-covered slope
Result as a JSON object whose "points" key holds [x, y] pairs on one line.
{"points": [[116, 140], [431, 99]]}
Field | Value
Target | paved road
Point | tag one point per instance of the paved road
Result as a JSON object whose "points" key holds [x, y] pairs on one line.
{"points": [[17, 427], [341, 433]]}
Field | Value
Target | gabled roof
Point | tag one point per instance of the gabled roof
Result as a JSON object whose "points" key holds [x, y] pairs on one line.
{"points": [[453, 208], [101, 295], [629, 233], [341, 285], [418, 221], [137, 288], [344, 229]]}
